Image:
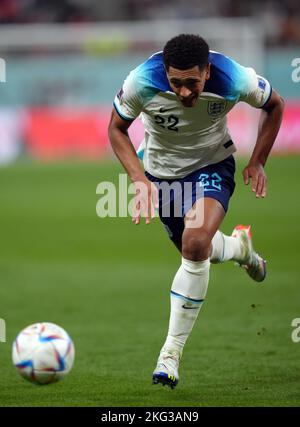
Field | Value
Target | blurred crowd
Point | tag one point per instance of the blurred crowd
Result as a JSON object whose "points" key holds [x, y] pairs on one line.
{"points": [[281, 18]]}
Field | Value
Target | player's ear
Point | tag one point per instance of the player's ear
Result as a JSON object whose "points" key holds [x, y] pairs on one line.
{"points": [[207, 75]]}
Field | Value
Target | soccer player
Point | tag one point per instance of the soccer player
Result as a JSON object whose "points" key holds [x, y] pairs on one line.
{"points": [[183, 95]]}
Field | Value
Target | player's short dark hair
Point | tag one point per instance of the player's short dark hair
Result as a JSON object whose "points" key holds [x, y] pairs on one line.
{"points": [[186, 51]]}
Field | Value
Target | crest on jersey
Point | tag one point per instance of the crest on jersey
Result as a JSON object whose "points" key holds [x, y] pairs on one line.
{"points": [[216, 108], [261, 83]]}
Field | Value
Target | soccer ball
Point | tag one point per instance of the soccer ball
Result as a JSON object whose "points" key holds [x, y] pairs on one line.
{"points": [[43, 353]]}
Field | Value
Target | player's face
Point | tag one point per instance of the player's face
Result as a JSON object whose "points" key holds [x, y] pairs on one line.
{"points": [[188, 84]]}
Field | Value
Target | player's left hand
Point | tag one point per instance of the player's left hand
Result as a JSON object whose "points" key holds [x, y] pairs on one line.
{"points": [[255, 172]]}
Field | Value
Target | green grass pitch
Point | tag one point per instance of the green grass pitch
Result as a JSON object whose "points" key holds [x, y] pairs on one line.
{"points": [[107, 282]]}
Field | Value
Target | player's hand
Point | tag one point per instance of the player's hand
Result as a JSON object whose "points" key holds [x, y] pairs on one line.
{"points": [[145, 201], [255, 172]]}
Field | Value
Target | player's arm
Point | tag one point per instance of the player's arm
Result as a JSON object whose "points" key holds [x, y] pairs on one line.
{"points": [[123, 147], [269, 125], [125, 151]]}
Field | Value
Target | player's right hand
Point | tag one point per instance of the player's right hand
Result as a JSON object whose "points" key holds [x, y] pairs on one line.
{"points": [[145, 201]]}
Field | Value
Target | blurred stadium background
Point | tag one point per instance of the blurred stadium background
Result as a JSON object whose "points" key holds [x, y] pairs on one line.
{"points": [[65, 60]]}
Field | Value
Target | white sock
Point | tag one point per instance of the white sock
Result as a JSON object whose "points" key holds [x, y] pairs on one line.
{"points": [[225, 248], [187, 295]]}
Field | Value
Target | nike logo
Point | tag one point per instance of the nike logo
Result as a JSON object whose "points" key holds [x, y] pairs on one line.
{"points": [[163, 110], [189, 308]]}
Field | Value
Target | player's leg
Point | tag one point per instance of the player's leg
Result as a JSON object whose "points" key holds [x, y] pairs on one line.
{"points": [[236, 247], [225, 248], [197, 246], [239, 248], [188, 288]]}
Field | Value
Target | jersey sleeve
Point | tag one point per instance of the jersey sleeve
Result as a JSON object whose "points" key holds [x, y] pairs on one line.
{"points": [[255, 90], [127, 102]]}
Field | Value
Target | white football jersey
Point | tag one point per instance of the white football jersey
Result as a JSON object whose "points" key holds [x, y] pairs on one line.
{"points": [[179, 140]]}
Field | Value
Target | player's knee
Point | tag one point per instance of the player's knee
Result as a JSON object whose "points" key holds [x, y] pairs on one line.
{"points": [[196, 245]]}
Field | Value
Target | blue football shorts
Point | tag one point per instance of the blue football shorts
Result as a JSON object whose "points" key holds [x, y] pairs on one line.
{"points": [[215, 181]]}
